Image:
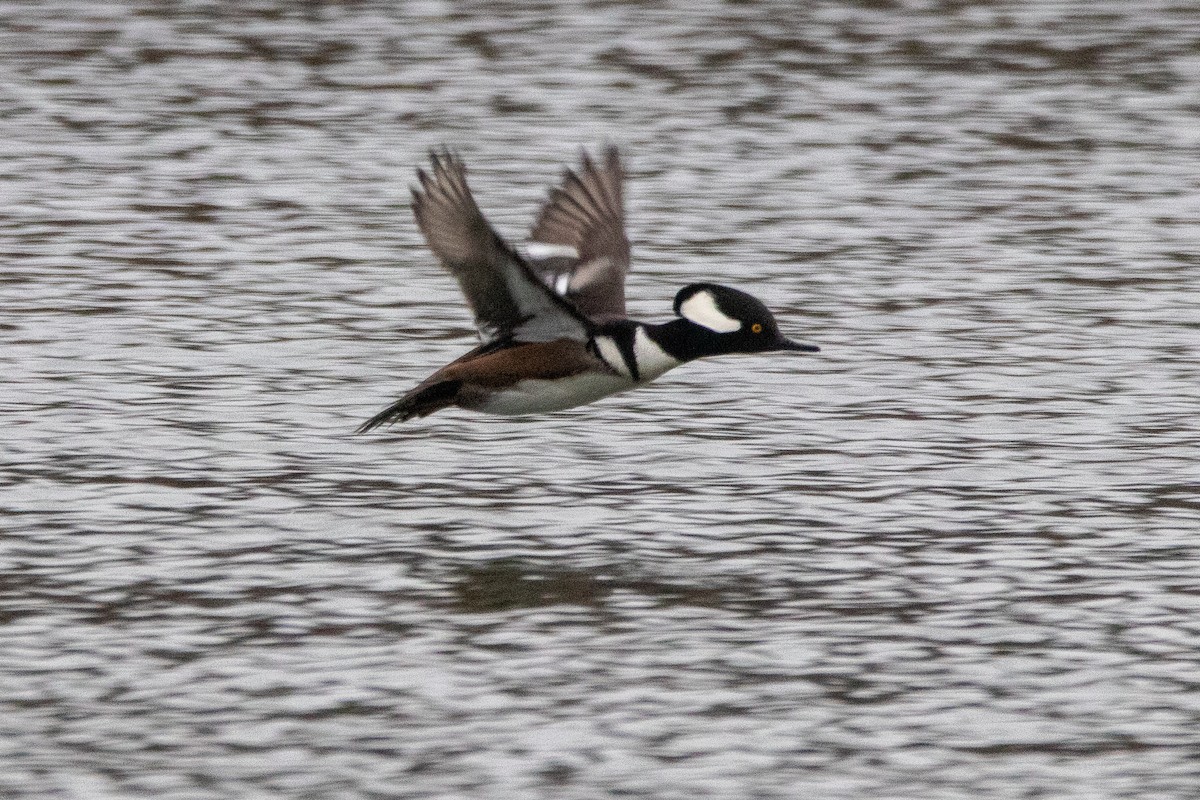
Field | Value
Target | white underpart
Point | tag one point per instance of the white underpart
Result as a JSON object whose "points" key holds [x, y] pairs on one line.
{"points": [[539, 250], [611, 353], [652, 360], [701, 308], [537, 396], [562, 283]]}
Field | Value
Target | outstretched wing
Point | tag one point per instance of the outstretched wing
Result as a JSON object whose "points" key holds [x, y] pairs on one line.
{"points": [[507, 297], [578, 244]]}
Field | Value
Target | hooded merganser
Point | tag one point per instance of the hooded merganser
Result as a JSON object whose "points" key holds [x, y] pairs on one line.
{"points": [[552, 318]]}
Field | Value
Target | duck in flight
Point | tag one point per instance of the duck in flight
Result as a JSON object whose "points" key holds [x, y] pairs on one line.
{"points": [[552, 318]]}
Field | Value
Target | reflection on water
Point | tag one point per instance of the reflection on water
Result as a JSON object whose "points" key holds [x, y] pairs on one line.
{"points": [[953, 554], [507, 584]]}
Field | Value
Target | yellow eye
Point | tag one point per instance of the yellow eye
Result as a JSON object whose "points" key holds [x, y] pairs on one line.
{"points": [[756, 328]]}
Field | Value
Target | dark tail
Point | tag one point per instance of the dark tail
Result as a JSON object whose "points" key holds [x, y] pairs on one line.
{"points": [[420, 402]]}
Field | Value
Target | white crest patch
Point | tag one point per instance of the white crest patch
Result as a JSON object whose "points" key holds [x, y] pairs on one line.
{"points": [[701, 308], [540, 250], [611, 353], [652, 360]]}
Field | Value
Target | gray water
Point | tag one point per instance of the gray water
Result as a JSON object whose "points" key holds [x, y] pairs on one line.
{"points": [[954, 555]]}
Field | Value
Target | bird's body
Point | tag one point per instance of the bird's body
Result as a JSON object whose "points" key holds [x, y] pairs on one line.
{"points": [[553, 319]]}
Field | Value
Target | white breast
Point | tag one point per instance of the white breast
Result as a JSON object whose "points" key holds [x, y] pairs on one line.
{"points": [[651, 359], [610, 354]]}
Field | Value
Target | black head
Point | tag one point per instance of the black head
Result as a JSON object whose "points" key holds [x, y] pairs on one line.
{"points": [[732, 321]]}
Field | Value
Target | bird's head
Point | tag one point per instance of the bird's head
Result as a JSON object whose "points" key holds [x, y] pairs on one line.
{"points": [[732, 321]]}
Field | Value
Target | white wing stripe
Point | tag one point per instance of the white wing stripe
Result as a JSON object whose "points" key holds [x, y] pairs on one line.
{"points": [[536, 251]]}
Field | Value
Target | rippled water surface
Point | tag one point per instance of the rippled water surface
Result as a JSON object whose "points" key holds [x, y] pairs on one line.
{"points": [[953, 555]]}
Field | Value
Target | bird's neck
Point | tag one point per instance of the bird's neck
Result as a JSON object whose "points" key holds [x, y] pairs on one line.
{"points": [[681, 339]]}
